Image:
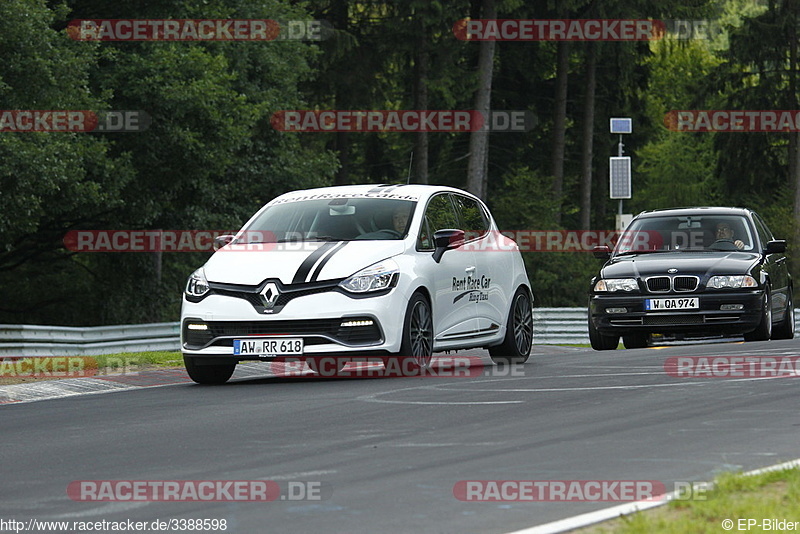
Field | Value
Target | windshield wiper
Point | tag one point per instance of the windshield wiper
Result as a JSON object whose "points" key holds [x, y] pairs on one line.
{"points": [[629, 252]]}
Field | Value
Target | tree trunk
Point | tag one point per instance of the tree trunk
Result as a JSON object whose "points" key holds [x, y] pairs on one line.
{"points": [[421, 103], [588, 136], [560, 125], [479, 140]]}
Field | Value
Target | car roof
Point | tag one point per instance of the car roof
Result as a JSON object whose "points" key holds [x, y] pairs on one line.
{"points": [[697, 211]]}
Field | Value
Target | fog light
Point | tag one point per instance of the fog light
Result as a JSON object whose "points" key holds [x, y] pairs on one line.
{"points": [[616, 310], [731, 307], [366, 322], [193, 326]]}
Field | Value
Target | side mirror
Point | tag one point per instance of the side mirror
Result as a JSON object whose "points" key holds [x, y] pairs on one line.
{"points": [[601, 253], [222, 240], [445, 240], [777, 246]]}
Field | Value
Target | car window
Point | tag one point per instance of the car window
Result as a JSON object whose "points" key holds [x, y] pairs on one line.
{"points": [[763, 231], [474, 220], [440, 214], [340, 219], [687, 232]]}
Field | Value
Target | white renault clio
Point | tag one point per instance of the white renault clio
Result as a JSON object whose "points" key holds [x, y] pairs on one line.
{"points": [[391, 271]]}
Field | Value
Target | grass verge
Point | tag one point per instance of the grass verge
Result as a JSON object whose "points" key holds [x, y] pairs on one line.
{"points": [[760, 499], [24, 370]]}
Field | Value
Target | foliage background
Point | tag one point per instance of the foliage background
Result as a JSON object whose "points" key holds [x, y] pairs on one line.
{"points": [[211, 158]]}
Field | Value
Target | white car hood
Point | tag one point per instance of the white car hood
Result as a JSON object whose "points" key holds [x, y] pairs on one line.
{"points": [[294, 263]]}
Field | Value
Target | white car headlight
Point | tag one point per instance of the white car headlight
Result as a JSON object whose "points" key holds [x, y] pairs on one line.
{"points": [[374, 278], [732, 282], [197, 286], [617, 284]]}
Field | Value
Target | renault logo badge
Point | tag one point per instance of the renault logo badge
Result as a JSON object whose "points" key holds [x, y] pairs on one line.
{"points": [[269, 295]]}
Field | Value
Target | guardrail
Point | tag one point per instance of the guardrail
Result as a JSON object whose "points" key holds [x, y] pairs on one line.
{"points": [[550, 326], [35, 340]]}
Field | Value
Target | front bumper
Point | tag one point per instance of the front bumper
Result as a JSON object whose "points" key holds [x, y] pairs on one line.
{"points": [[329, 323], [709, 319]]}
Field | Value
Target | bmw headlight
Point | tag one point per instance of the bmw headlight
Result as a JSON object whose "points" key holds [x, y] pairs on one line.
{"points": [[374, 278], [732, 282], [197, 286], [617, 284]]}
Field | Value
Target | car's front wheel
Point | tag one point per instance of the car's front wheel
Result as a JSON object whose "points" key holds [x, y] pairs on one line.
{"points": [[416, 348], [600, 341], [517, 344], [635, 341], [764, 330], [207, 373], [785, 330]]}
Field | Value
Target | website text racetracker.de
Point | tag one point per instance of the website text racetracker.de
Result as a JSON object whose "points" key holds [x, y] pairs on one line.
{"points": [[103, 525], [558, 490], [552, 240]]}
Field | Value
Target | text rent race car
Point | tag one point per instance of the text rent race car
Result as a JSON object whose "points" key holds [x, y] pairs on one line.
{"points": [[392, 271], [703, 271]]}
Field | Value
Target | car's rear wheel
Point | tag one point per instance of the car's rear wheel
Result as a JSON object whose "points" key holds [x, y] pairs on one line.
{"points": [[635, 341], [764, 330], [416, 349], [204, 373], [601, 341], [517, 344], [785, 330]]}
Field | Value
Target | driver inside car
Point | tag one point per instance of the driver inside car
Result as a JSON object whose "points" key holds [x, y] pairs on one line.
{"points": [[724, 232]]}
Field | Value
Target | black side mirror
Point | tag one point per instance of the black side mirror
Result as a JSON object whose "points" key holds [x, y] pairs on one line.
{"points": [[777, 246], [601, 252], [446, 240], [222, 240]]}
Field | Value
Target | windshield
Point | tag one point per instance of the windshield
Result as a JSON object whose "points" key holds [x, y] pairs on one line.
{"points": [[692, 233], [340, 219]]}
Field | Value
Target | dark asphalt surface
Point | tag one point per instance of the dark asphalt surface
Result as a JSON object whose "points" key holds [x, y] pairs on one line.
{"points": [[388, 451]]}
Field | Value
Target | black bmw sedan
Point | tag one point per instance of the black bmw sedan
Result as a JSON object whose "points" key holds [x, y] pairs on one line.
{"points": [[692, 271]]}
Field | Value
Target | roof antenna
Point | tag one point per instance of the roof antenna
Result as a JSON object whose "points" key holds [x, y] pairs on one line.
{"points": [[410, 159]]}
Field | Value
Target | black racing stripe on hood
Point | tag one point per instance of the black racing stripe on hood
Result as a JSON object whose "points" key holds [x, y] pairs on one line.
{"points": [[308, 263], [322, 263]]}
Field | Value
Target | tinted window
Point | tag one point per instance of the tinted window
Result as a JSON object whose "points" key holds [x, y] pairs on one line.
{"points": [[341, 219], [692, 232], [473, 218], [439, 215], [763, 232]]}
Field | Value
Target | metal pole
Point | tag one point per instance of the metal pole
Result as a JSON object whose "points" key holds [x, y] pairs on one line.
{"points": [[619, 153]]}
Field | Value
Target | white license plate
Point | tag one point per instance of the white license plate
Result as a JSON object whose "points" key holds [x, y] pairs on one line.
{"points": [[671, 304], [272, 346]]}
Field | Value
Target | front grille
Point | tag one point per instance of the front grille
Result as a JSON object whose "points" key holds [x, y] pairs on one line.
{"points": [[314, 331], [685, 283], [658, 284], [252, 294], [673, 319], [679, 284]]}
